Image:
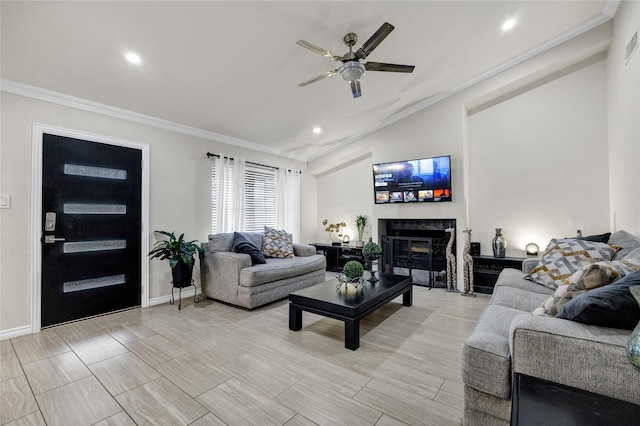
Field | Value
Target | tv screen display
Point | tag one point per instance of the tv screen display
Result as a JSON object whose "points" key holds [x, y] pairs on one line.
{"points": [[425, 180]]}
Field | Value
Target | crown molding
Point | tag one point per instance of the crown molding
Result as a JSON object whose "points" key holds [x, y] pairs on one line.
{"points": [[50, 96], [431, 100]]}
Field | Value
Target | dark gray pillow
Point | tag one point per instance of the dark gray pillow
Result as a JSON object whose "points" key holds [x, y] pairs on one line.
{"points": [[610, 306], [242, 244], [600, 238]]}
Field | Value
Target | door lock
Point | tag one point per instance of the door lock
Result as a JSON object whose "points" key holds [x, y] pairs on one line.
{"points": [[50, 221], [50, 239]]}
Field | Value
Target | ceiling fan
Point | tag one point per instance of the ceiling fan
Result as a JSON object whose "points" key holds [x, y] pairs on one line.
{"points": [[351, 69]]}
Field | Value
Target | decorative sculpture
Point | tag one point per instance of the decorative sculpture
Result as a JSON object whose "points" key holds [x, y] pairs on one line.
{"points": [[467, 266], [451, 262]]}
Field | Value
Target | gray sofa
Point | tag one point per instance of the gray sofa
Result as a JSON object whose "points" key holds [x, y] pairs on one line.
{"points": [[231, 278], [508, 341]]}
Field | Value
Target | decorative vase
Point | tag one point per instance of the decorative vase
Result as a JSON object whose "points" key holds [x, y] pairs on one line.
{"points": [[373, 268], [633, 345], [499, 244]]}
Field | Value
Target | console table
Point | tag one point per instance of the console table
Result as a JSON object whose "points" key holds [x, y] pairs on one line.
{"points": [[338, 255], [487, 268]]}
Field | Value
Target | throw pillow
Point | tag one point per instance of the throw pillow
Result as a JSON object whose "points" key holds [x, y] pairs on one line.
{"points": [[633, 254], [608, 306], [242, 244], [590, 277], [599, 238], [563, 257], [625, 240], [277, 243]]}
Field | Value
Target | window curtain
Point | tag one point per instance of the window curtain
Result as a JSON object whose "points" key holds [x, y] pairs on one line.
{"points": [[288, 201], [227, 195]]}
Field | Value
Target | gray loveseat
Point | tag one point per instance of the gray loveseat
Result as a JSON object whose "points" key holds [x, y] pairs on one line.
{"points": [[508, 341], [230, 277]]}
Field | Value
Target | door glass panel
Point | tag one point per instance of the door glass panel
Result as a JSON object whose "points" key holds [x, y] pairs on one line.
{"points": [[83, 246], [79, 285], [95, 172], [81, 208]]}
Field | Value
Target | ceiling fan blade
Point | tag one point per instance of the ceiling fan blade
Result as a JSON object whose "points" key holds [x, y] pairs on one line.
{"points": [[379, 66], [374, 40], [319, 50], [355, 88], [318, 78]]}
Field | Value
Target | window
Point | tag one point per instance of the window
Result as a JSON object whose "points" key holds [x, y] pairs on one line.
{"points": [[259, 198], [258, 194]]}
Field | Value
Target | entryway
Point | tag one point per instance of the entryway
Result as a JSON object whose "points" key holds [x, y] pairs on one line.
{"points": [[92, 242]]}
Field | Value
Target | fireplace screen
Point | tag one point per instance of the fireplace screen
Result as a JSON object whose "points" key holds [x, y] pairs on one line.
{"points": [[416, 248]]}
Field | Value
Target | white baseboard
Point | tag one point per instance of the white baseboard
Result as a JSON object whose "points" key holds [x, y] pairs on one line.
{"points": [[166, 299], [15, 332]]}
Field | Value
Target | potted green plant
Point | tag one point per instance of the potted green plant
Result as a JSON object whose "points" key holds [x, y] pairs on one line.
{"points": [[351, 277], [181, 256], [353, 269], [372, 252], [361, 223]]}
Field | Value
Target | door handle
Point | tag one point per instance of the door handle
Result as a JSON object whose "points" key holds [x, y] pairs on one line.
{"points": [[50, 239]]}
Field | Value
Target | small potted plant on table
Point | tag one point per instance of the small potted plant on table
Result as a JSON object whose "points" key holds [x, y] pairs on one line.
{"points": [[372, 252], [351, 278], [361, 223]]}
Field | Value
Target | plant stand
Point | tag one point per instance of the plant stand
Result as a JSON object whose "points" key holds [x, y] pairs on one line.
{"points": [[180, 286]]}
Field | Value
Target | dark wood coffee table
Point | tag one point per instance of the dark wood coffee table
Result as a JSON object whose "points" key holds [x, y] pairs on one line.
{"points": [[324, 299]]}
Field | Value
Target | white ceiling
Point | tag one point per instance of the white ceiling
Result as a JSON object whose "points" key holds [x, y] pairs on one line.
{"points": [[232, 68]]}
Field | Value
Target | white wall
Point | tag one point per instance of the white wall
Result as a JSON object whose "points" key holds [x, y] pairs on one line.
{"points": [[348, 192], [624, 122], [179, 190], [538, 161]]}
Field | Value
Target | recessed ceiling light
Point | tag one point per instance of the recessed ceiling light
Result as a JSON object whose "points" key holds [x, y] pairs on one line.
{"points": [[133, 58], [317, 130], [508, 24]]}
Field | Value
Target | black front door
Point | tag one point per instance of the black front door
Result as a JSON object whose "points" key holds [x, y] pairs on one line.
{"points": [[91, 230]]}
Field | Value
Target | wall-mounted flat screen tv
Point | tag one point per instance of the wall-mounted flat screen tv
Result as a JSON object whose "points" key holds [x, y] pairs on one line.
{"points": [[424, 180]]}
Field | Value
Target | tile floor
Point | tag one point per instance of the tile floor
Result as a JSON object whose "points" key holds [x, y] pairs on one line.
{"points": [[213, 364]]}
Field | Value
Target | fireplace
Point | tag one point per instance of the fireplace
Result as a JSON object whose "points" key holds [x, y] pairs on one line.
{"points": [[416, 248]]}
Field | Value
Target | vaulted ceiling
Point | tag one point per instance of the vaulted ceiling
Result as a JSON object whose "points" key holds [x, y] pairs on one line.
{"points": [[230, 69]]}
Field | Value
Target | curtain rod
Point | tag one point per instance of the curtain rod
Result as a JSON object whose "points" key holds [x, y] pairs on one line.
{"points": [[209, 155]]}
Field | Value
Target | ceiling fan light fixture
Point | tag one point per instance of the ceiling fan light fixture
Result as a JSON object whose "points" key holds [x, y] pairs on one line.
{"points": [[351, 70]]}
